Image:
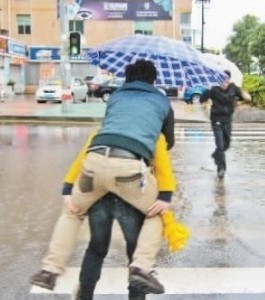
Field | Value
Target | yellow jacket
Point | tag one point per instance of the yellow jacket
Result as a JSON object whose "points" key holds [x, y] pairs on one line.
{"points": [[163, 170]]}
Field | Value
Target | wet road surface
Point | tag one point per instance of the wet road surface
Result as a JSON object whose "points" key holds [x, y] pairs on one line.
{"points": [[226, 218]]}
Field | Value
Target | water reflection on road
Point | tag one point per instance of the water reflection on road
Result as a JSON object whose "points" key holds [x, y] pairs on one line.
{"points": [[226, 218]]}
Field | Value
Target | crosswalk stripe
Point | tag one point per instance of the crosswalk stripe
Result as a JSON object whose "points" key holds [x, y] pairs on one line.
{"points": [[235, 132], [176, 281], [202, 135]]}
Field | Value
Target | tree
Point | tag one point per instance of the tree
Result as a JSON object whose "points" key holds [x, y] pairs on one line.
{"points": [[258, 46], [238, 48]]}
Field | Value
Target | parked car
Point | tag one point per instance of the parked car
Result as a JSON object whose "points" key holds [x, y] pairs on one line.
{"points": [[171, 91], [96, 81], [192, 94], [52, 91], [88, 80], [105, 89]]}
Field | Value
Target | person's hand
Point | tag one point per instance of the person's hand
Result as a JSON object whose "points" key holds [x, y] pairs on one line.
{"points": [[157, 208], [67, 200], [245, 95]]}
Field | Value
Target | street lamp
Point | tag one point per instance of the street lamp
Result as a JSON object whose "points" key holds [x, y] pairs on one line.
{"points": [[203, 22]]}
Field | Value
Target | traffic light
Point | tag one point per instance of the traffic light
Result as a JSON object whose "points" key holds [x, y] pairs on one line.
{"points": [[75, 43]]}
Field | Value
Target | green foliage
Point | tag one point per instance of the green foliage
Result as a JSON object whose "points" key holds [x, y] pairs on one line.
{"points": [[255, 85], [258, 46], [238, 48]]}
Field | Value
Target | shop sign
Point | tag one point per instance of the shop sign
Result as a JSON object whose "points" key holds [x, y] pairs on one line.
{"points": [[47, 71], [120, 10], [44, 53], [15, 48], [52, 54], [19, 61], [3, 44]]}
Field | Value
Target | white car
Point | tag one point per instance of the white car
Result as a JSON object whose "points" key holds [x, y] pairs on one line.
{"points": [[52, 91]]}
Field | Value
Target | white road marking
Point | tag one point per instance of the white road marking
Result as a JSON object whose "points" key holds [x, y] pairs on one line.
{"points": [[176, 281], [179, 280]]}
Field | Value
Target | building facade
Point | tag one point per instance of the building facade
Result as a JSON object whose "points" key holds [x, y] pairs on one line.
{"points": [[37, 24]]}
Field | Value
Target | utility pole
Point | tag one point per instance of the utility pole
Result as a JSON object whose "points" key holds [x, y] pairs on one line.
{"points": [[65, 59], [203, 22]]}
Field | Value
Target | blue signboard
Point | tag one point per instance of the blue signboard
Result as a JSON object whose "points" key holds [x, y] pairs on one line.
{"points": [[52, 53], [16, 48], [44, 53], [120, 10]]}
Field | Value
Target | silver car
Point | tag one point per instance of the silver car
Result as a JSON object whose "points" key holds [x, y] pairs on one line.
{"points": [[52, 91]]}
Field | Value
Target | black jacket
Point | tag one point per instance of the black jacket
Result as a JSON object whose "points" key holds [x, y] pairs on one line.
{"points": [[223, 101]]}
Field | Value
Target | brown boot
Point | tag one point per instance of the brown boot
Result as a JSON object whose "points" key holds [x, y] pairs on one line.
{"points": [[44, 279], [144, 281]]}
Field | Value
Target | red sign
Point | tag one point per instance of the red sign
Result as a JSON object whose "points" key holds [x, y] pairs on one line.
{"points": [[66, 95], [3, 45], [18, 61]]}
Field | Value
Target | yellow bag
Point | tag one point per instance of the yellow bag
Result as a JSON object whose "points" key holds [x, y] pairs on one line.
{"points": [[174, 232]]}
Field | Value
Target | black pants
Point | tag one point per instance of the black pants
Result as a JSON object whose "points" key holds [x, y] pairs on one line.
{"points": [[101, 217], [222, 134]]}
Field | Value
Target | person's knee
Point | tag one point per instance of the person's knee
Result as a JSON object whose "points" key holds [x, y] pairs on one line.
{"points": [[99, 249], [72, 211]]}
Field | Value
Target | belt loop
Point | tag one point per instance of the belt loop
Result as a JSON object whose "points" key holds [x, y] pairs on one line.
{"points": [[107, 151]]}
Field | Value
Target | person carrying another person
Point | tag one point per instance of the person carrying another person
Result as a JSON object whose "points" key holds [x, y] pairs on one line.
{"points": [[119, 161], [68, 224], [153, 208]]}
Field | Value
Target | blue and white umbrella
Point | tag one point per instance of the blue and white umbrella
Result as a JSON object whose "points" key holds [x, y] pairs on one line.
{"points": [[177, 63]]}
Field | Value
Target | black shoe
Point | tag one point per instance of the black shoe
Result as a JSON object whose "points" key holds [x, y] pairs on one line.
{"points": [[221, 173], [44, 279], [144, 282]]}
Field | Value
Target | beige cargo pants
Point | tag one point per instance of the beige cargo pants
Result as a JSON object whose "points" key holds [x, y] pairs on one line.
{"points": [[125, 178], [131, 180]]}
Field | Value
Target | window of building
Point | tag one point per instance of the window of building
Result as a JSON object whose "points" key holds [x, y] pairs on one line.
{"points": [[185, 32], [145, 28], [76, 25], [24, 24], [185, 19], [185, 25]]}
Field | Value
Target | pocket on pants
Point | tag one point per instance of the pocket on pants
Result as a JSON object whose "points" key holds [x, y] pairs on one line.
{"points": [[86, 183], [128, 179], [130, 183]]}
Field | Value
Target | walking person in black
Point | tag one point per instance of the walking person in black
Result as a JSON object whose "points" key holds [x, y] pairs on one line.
{"points": [[224, 99]]}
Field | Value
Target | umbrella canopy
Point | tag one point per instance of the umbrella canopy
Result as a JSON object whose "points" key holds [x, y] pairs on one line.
{"points": [[177, 63], [225, 64]]}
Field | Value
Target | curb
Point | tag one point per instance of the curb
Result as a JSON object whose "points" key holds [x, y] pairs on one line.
{"points": [[52, 119], [34, 119]]}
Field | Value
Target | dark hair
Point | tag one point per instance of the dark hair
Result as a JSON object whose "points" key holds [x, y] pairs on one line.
{"points": [[142, 70], [228, 73]]}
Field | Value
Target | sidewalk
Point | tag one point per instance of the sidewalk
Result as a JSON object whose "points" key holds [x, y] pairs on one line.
{"points": [[24, 108]]}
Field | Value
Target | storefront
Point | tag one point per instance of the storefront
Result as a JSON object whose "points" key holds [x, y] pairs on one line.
{"points": [[45, 62], [17, 52], [3, 63], [12, 65]]}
